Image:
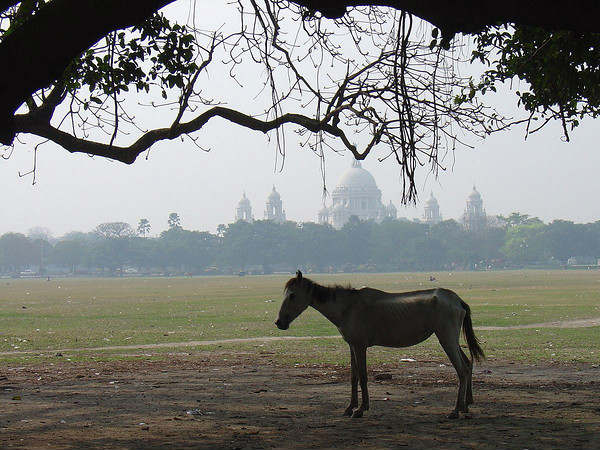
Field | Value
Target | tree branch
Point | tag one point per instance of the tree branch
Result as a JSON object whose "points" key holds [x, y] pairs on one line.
{"points": [[39, 51], [468, 16], [26, 124]]}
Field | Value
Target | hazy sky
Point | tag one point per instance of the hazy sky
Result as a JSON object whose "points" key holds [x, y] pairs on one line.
{"points": [[542, 176]]}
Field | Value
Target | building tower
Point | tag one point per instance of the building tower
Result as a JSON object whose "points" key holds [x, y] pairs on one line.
{"points": [[474, 218], [274, 207], [432, 211], [323, 215], [244, 210], [391, 212]]}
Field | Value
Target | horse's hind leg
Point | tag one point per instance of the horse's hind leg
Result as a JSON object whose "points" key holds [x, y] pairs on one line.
{"points": [[469, 364], [360, 353], [353, 384], [449, 341]]}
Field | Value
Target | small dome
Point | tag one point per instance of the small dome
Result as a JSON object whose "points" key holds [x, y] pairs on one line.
{"points": [[432, 201], [244, 201], [475, 195], [274, 195]]}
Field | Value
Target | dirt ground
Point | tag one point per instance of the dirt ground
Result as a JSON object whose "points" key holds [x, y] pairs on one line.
{"points": [[244, 401]]}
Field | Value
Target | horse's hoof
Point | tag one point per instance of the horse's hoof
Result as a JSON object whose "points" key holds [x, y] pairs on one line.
{"points": [[357, 414], [453, 415], [348, 411]]}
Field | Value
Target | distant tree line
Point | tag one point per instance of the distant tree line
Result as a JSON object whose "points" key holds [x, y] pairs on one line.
{"points": [[264, 246]]}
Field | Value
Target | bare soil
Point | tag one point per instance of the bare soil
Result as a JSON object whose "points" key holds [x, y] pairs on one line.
{"points": [[238, 401], [226, 399]]}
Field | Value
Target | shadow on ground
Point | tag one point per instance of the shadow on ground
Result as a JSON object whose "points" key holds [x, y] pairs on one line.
{"points": [[237, 401]]}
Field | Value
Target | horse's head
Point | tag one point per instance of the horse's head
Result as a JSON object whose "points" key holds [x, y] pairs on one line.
{"points": [[295, 301]]}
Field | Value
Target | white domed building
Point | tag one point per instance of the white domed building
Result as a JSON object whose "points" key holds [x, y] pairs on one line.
{"points": [[474, 218], [356, 194], [432, 211], [274, 207], [244, 210]]}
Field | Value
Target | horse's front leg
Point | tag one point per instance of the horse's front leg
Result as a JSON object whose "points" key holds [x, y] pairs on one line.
{"points": [[353, 383], [360, 353]]}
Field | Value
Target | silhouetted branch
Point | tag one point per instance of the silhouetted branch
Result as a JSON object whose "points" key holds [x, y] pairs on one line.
{"points": [[129, 154]]}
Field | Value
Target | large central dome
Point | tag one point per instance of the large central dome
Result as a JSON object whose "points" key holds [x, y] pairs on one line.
{"points": [[356, 194], [357, 178]]}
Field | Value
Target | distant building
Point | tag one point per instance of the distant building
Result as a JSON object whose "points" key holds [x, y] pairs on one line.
{"points": [[356, 194], [474, 218], [391, 211], [432, 211], [274, 207], [244, 210]]}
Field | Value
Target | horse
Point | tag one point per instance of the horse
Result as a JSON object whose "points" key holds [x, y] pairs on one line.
{"points": [[366, 317]]}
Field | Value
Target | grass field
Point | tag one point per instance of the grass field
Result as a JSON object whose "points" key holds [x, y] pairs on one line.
{"points": [[42, 317]]}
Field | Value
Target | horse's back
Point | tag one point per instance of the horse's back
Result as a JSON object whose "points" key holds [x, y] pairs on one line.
{"points": [[368, 292], [433, 297], [427, 307], [396, 319], [421, 296]]}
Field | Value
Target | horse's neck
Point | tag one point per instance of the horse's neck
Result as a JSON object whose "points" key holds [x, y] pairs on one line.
{"points": [[330, 309]]}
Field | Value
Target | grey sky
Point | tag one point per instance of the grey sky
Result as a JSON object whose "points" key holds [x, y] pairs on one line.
{"points": [[542, 176]]}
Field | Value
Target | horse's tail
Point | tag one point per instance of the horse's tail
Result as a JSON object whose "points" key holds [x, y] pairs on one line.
{"points": [[472, 341]]}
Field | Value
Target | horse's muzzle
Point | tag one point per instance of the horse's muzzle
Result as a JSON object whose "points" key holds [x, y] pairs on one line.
{"points": [[281, 325]]}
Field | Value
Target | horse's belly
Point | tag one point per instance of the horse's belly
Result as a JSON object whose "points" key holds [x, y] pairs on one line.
{"points": [[401, 324], [400, 339], [400, 332]]}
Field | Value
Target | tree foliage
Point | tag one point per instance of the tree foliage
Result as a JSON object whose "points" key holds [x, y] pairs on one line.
{"points": [[114, 230], [143, 227], [16, 252], [561, 70], [174, 221], [265, 246]]}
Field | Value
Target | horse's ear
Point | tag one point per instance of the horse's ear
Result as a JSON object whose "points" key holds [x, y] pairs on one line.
{"points": [[298, 274]]}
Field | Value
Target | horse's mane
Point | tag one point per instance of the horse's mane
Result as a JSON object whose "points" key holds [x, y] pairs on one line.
{"points": [[319, 292]]}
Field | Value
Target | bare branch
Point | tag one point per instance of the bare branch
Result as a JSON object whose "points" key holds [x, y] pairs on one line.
{"points": [[129, 154], [385, 87], [52, 51]]}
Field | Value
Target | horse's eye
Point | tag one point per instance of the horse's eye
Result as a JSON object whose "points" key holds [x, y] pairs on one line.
{"points": [[292, 295]]}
